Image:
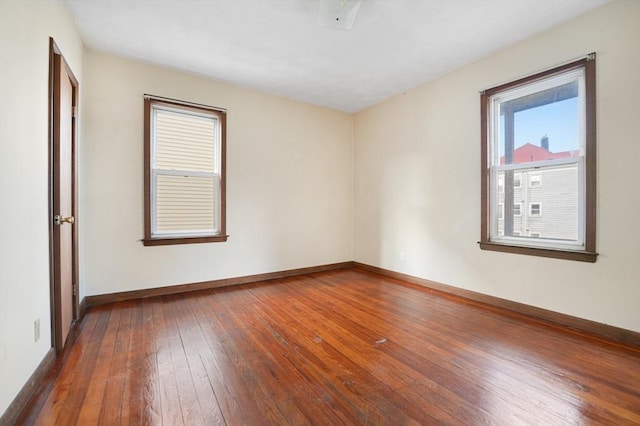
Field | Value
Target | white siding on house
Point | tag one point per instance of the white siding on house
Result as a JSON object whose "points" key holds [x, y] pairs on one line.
{"points": [[555, 189]]}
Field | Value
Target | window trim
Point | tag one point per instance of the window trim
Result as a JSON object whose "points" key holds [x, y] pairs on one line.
{"points": [[149, 239], [588, 254]]}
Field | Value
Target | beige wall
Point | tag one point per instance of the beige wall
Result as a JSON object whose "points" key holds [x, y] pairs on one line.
{"points": [[417, 168], [25, 28], [409, 165], [289, 173]]}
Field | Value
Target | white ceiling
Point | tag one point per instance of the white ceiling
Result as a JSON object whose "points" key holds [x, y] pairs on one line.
{"points": [[275, 45]]}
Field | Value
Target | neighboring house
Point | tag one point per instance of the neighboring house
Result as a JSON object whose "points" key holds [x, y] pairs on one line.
{"points": [[545, 201], [528, 153]]}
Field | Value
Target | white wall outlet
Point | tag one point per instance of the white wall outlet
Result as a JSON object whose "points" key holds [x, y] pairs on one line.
{"points": [[36, 330], [402, 257]]}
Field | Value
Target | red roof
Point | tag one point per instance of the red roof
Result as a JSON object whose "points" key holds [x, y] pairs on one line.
{"points": [[528, 153]]}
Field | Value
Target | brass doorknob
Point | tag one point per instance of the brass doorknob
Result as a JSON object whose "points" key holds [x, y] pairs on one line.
{"points": [[61, 220]]}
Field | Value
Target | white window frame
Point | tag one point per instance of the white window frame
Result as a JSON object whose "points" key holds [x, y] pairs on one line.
{"points": [[519, 206], [517, 178], [535, 178]]}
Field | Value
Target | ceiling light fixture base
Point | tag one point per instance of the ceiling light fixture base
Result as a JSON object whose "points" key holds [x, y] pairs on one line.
{"points": [[338, 14]]}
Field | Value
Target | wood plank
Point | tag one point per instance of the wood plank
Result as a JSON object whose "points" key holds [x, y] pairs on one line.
{"points": [[194, 343], [184, 382], [89, 398], [133, 387], [111, 409], [147, 405], [170, 406], [231, 392]]}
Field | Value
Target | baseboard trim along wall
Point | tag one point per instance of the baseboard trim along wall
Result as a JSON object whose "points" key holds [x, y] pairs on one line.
{"points": [[567, 322], [82, 308], [205, 285], [21, 400]]}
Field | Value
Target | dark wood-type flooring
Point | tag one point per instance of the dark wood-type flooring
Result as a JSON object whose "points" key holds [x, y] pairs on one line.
{"points": [[340, 347]]}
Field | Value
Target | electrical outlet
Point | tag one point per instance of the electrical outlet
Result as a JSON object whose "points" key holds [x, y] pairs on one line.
{"points": [[36, 330], [402, 257]]}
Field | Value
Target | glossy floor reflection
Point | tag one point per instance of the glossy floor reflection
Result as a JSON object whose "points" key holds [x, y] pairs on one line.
{"points": [[340, 347]]}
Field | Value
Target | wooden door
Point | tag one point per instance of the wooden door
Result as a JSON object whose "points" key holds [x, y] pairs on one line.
{"points": [[64, 307]]}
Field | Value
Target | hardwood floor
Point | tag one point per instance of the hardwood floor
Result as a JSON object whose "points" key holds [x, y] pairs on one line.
{"points": [[339, 347]]}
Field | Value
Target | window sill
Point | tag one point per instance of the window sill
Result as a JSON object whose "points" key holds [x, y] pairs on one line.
{"points": [[581, 256], [184, 240]]}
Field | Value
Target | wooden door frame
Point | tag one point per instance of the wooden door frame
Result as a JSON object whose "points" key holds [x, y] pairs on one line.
{"points": [[54, 255]]}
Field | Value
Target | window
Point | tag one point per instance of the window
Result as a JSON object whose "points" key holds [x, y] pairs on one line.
{"points": [[517, 211], [535, 181], [541, 127], [184, 146], [517, 180], [535, 209], [500, 211]]}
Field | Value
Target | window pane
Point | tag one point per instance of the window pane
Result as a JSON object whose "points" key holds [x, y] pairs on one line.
{"points": [[535, 209], [559, 195], [541, 125], [516, 209], [517, 180], [186, 203], [535, 180], [184, 141]]}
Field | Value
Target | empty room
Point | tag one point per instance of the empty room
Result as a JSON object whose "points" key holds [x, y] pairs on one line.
{"points": [[337, 212]]}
